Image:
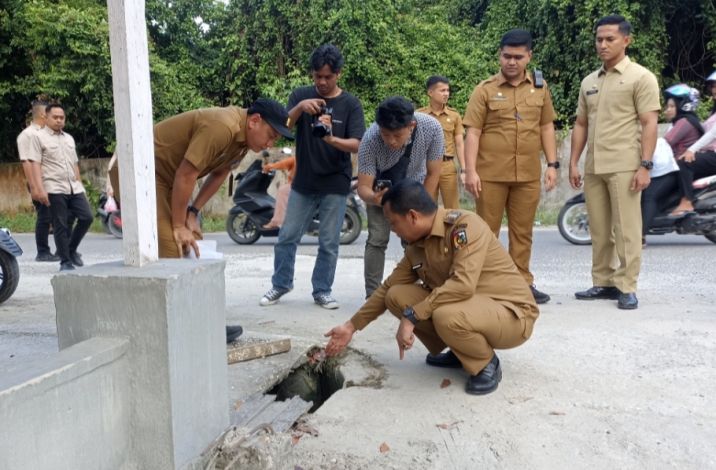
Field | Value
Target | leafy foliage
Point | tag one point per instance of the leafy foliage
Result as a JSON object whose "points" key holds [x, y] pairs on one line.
{"points": [[212, 52]]}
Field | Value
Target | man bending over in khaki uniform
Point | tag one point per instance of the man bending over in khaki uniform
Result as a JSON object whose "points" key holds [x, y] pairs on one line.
{"points": [[455, 287]]}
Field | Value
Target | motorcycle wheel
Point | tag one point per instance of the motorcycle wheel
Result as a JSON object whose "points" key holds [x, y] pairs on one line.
{"points": [[711, 236], [114, 223], [9, 275], [241, 229], [352, 225], [573, 224]]}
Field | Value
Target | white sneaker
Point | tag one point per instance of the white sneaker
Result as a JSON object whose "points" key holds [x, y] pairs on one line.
{"points": [[272, 296], [326, 301]]}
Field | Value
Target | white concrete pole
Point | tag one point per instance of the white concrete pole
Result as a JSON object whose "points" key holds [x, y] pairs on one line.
{"points": [[133, 120]]}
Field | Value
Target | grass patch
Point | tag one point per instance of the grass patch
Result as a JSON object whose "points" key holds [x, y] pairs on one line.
{"points": [[213, 223], [24, 222]]}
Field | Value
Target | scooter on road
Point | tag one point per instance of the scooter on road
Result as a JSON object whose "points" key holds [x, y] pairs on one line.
{"points": [[573, 221], [253, 208], [9, 269]]}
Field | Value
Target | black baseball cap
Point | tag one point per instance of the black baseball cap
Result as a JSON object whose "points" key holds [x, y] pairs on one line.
{"points": [[274, 113]]}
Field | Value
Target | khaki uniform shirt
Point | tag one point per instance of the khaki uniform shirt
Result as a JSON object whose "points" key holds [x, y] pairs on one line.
{"points": [[460, 258], [24, 141], [451, 122], [208, 138], [510, 118], [612, 102], [57, 156]]}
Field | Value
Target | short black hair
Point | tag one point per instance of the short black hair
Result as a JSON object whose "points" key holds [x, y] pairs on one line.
{"points": [[517, 38], [394, 113], [434, 80], [619, 20], [53, 105], [409, 195], [329, 55]]}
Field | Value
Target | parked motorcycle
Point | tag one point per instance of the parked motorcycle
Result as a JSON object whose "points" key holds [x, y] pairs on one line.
{"points": [[254, 208], [573, 222], [9, 269], [110, 215]]}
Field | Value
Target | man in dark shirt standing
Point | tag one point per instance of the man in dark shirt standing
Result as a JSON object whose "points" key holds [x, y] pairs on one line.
{"points": [[329, 125]]}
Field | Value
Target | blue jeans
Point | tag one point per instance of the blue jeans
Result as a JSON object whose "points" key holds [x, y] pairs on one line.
{"points": [[299, 213]]}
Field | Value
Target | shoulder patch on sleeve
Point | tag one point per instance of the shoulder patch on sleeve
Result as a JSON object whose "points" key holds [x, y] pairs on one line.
{"points": [[459, 237]]}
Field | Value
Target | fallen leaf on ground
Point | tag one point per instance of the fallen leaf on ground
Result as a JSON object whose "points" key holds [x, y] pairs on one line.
{"points": [[384, 448], [295, 438], [449, 426], [445, 383], [557, 413], [238, 404]]}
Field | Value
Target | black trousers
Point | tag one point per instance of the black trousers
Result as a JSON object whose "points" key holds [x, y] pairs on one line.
{"points": [[62, 208], [704, 165], [42, 228], [654, 197]]}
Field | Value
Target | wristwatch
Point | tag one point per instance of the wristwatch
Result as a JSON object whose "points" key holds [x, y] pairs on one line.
{"points": [[193, 210], [409, 313], [554, 165], [648, 164]]}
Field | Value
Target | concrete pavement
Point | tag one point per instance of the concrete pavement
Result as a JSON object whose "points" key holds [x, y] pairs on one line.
{"points": [[595, 387]]}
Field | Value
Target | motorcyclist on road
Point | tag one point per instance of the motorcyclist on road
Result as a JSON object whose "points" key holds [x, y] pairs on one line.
{"points": [[691, 165]]}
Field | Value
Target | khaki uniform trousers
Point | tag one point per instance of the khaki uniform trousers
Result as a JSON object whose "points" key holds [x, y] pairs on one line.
{"points": [[471, 328], [615, 225], [521, 201], [165, 233], [448, 185]]}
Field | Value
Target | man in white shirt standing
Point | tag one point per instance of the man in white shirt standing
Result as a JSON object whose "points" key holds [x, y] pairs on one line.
{"points": [[62, 188]]}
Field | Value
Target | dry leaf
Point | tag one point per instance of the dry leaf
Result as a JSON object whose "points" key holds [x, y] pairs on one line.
{"points": [[449, 426], [384, 448], [295, 438], [445, 383], [238, 404], [557, 413]]}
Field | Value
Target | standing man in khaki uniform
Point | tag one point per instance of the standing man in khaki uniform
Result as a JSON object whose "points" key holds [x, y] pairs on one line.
{"points": [[510, 119], [456, 287], [204, 142], [62, 190], [33, 174], [617, 120], [438, 89]]}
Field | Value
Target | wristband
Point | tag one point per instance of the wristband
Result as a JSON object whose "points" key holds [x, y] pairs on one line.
{"points": [[409, 313], [193, 210]]}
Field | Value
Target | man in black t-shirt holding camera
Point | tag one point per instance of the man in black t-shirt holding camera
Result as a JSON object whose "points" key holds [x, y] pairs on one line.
{"points": [[329, 125]]}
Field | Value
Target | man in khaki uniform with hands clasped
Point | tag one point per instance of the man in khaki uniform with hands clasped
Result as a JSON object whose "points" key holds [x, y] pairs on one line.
{"points": [[509, 119], [617, 120], [455, 287]]}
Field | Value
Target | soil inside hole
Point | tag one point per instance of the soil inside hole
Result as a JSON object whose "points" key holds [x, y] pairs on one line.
{"points": [[313, 381]]}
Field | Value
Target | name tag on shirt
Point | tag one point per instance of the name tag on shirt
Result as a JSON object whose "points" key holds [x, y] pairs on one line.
{"points": [[592, 92]]}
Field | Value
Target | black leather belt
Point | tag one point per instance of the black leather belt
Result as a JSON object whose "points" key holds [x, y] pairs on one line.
{"points": [[447, 158]]}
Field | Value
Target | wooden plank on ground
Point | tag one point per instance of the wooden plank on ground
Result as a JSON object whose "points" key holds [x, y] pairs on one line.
{"points": [[246, 349]]}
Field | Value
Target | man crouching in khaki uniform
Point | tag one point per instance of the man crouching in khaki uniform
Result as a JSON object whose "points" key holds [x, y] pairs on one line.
{"points": [[455, 287]]}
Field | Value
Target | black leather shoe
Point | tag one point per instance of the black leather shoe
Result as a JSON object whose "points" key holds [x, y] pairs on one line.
{"points": [[540, 297], [76, 259], [627, 301], [233, 333], [596, 292], [66, 266], [446, 359], [486, 380], [45, 257]]}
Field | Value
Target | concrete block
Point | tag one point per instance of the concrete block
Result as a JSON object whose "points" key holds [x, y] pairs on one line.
{"points": [[69, 411], [173, 314]]}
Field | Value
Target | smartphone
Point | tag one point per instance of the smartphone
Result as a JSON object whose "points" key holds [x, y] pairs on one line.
{"points": [[382, 184]]}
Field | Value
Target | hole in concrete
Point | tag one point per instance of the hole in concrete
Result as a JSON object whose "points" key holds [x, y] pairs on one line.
{"points": [[314, 381]]}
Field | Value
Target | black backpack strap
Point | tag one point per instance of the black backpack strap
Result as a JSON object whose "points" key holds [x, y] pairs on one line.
{"points": [[398, 171]]}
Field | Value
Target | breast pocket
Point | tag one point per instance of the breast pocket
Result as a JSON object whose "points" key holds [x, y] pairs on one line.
{"points": [[532, 108], [501, 110]]}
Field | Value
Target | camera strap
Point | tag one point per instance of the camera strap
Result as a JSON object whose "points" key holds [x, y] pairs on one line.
{"points": [[398, 171]]}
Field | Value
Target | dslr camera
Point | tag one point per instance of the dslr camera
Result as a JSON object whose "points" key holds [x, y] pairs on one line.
{"points": [[321, 130]]}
